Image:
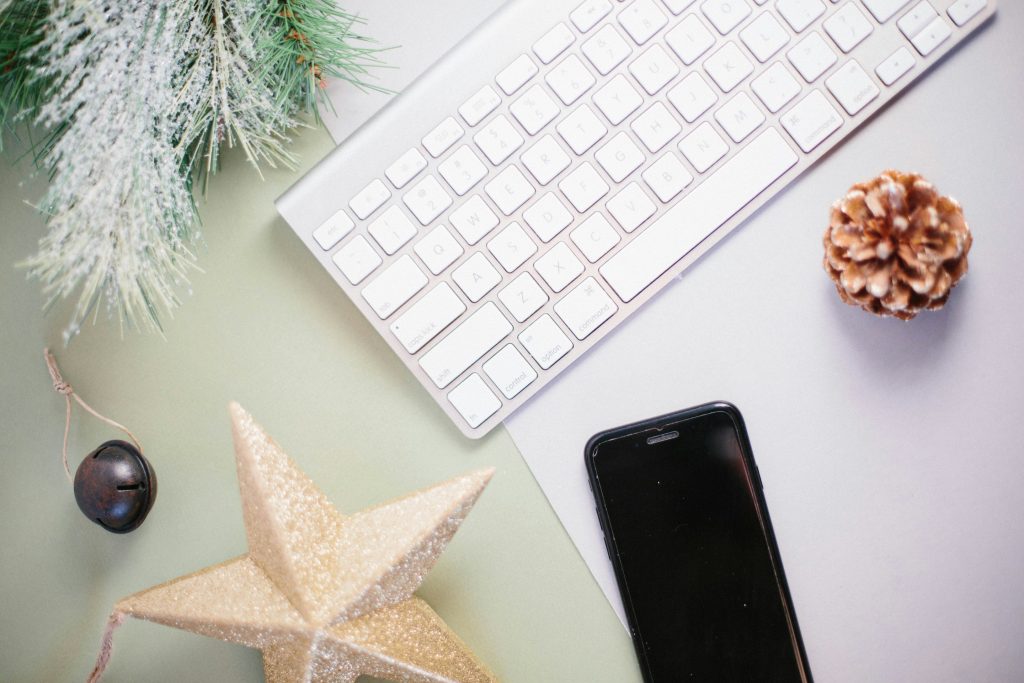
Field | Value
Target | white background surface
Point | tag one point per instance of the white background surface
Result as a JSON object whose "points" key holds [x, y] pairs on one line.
{"points": [[417, 35], [891, 452]]}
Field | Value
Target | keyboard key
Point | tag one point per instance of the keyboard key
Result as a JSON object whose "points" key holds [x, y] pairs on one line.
{"points": [[545, 341], [764, 36], [963, 11], [476, 277], [369, 199], [689, 39], [848, 27], [586, 16], [667, 177], [482, 103], [498, 139], [570, 79], [534, 109], [547, 217], [559, 266], [553, 43], [812, 57], [619, 157], [356, 260], [436, 310], [692, 97], [617, 99], [631, 207], [405, 168], [473, 219], [392, 230], [655, 127], [606, 49], [585, 308], [442, 137], [515, 75], [919, 16], [895, 65], [811, 121], [852, 88], [509, 371], [512, 247], [427, 200], [393, 287], [438, 249], [702, 211], [474, 401], [333, 229], [739, 117], [523, 297], [462, 170], [725, 15], [654, 69], [800, 13], [477, 335], [776, 87], [581, 129], [884, 10], [509, 189], [545, 160], [703, 147], [642, 19], [595, 237], [933, 35], [728, 67], [583, 187]]}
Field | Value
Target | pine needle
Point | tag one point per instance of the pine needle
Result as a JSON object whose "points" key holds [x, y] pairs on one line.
{"points": [[21, 29], [230, 101], [309, 42]]}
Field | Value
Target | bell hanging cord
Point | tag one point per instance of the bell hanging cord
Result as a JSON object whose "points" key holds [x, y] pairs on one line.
{"points": [[106, 647], [65, 389]]}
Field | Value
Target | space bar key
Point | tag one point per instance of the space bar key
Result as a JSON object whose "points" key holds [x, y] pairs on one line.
{"points": [[698, 214]]}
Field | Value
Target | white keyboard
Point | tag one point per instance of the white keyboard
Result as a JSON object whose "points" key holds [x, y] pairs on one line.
{"points": [[555, 171]]}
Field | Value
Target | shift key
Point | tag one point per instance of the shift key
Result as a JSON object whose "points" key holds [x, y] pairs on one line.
{"points": [[451, 356]]}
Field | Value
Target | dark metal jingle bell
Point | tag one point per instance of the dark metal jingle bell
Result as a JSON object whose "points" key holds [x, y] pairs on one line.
{"points": [[115, 486]]}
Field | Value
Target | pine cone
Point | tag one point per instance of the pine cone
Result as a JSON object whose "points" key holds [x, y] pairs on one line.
{"points": [[895, 246]]}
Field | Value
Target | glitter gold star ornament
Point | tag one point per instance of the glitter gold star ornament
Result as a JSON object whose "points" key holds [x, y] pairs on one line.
{"points": [[325, 597]]}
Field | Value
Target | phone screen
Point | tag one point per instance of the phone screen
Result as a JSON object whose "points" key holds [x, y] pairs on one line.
{"points": [[694, 557]]}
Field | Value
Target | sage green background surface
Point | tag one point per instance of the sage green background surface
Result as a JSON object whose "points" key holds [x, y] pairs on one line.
{"points": [[264, 325]]}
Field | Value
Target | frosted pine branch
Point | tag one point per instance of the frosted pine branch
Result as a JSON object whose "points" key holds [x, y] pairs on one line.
{"points": [[119, 211], [139, 99], [226, 90]]}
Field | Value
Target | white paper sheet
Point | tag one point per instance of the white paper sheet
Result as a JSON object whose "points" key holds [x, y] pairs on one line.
{"points": [[892, 453]]}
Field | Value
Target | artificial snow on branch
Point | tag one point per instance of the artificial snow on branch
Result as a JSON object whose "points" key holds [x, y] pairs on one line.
{"points": [[119, 212], [230, 100], [137, 101]]}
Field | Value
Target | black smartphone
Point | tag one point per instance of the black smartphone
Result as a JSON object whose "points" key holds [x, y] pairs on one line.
{"points": [[687, 529]]}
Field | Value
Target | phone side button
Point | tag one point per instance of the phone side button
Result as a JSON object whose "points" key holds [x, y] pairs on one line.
{"points": [[608, 548]]}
